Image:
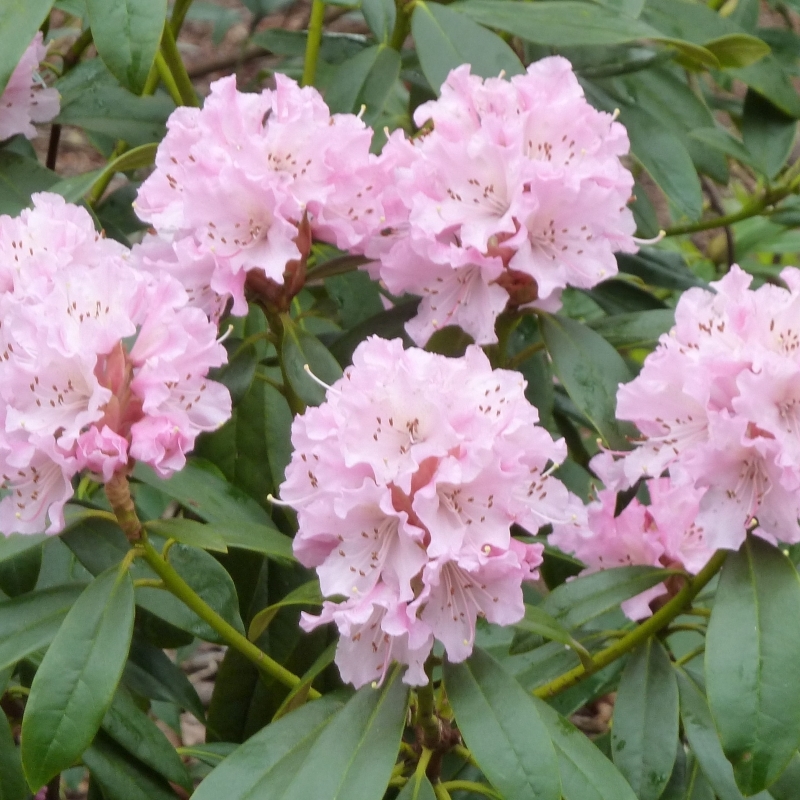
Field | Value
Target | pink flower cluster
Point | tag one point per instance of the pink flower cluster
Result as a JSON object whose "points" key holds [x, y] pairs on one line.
{"points": [[99, 363], [515, 193], [718, 404], [663, 533], [25, 99], [406, 482], [235, 180]]}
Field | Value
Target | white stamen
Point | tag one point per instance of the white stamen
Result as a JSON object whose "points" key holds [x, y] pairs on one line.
{"points": [[661, 234], [319, 381]]}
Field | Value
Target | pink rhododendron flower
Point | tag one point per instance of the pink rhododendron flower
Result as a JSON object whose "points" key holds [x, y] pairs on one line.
{"points": [[99, 363], [664, 533], [235, 181], [515, 193], [408, 514], [25, 99], [717, 406]]}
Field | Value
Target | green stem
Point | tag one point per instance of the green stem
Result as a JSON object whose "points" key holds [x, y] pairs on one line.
{"points": [[659, 620], [73, 55], [402, 27], [463, 752], [169, 50], [178, 15], [168, 80], [472, 786], [314, 40], [520, 358], [426, 717], [178, 586], [692, 654], [440, 790]]}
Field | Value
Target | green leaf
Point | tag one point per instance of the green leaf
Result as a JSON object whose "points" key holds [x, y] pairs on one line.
{"points": [[660, 268], [737, 49], [354, 755], [417, 791], [704, 740], [380, 15], [133, 730], [17, 543], [127, 35], [558, 24], [590, 369], [207, 494], [150, 673], [306, 595], [445, 39], [639, 329], [20, 177], [188, 531], [265, 764], [752, 650], [644, 736], [19, 22], [787, 787], [121, 776], [30, 622], [278, 433], [586, 774], [538, 621], [209, 579], [502, 726], [75, 684], [18, 575], [725, 142], [12, 781], [299, 349], [586, 597], [768, 133]]}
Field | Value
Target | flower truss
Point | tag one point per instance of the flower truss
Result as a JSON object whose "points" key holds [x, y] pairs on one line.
{"points": [[407, 515], [99, 363]]}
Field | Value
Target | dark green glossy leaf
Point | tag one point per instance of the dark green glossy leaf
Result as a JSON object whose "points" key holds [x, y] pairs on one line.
{"points": [[299, 349], [278, 433], [127, 34], [150, 673], [586, 774], [354, 755], [334, 47], [618, 296], [725, 142], [538, 621], [134, 731], [306, 595], [266, 763], [121, 776], [640, 329], [19, 22], [18, 575], [380, 15], [644, 736], [388, 324], [576, 602], [12, 781], [787, 787], [752, 650], [445, 39], [188, 531], [30, 622], [768, 133], [502, 726], [75, 684], [659, 268], [20, 177], [11, 546], [415, 790], [704, 740], [590, 369]]}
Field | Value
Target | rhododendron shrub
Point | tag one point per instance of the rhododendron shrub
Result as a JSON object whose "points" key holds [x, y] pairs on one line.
{"points": [[420, 383]]}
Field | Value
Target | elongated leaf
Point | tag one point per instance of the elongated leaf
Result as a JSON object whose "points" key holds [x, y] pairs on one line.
{"points": [[207, 494], [19, 575], [150, 673], [787, 787], [503, 728], [590, 369], [725, 142], [737, 49], [768, 133], [752, 650], [306, 595], [446, 39], [136, 733], [127, 34], [414, 790], [659, 268], [12, 781], [586, 774], [639, 329], [644, 736], [262, 538], [576, 602], [265, 764], [704, 740], [187, 531], [30, 622], [380, 15], [75, 684], [122, 777], [299, 349], [18, 25], [354, 755], [537, 620], [12, 546], [20, 176]]}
